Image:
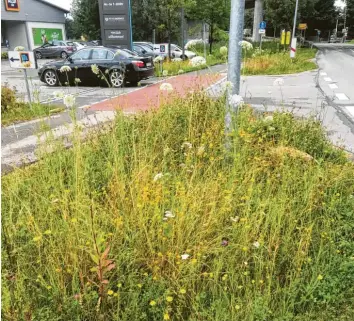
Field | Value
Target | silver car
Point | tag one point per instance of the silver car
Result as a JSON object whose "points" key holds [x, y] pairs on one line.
{"points": [[55, 49]]}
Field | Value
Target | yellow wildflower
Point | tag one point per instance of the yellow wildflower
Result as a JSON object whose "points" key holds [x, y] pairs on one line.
{"points": [[169, 299], [182, 291], [152, 303], [110, 292], [166, 316], [320, 277]]}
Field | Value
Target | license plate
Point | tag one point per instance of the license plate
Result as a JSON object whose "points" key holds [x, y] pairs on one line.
{"points": [[148, 64]]}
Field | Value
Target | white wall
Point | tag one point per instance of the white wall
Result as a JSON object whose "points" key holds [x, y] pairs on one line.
{"points": [[31, 25], [15, 33]]}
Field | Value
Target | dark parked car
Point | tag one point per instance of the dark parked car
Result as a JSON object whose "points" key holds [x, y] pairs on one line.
{"points": [[55, 49], [117, 65], [143, 50]]}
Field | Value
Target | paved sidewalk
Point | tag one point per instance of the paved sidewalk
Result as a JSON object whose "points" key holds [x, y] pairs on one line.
{"points": [[301, 95]]}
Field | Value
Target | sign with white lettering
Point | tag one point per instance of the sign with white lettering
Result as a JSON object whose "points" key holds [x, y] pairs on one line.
{"points": [[115, 18]]}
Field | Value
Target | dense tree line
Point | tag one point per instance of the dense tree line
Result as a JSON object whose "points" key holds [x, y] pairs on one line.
{"points": [[165, 16]]}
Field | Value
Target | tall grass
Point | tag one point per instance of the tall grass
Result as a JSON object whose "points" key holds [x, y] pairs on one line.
{"points": [[262, 231]]}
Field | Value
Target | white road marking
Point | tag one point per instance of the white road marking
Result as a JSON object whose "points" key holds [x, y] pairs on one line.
{"points": [[352, 50], [333, 86], [342, 96], [323, 73], [350, 109], [327, 79]]}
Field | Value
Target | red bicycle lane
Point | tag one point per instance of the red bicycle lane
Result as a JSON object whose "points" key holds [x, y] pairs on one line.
{"points": [[151, 96]]}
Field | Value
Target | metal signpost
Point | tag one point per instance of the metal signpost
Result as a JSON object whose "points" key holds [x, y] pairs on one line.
{"points": [[262, 31], [116, 24], [23, 60]]}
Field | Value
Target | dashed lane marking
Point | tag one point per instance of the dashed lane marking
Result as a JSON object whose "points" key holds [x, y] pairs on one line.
{"points": [[327, 79], [323, 73], [333, 86], [342, 96], [350, 110]]}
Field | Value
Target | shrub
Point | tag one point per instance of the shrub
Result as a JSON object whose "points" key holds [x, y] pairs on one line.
{"points": [[4, 55], [8, 98]]}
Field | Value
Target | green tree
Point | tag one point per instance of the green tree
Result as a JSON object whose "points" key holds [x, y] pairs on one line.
{"points": [[216, 13], [86, 18], [71, 32]]}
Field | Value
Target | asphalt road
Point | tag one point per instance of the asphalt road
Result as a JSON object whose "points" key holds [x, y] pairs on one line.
{"points": [[336, 77]]}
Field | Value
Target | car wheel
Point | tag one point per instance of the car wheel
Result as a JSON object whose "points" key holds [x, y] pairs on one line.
{"points": [[64, 55], [117, 78], [184, 57], [50, 77], [38, 55]]}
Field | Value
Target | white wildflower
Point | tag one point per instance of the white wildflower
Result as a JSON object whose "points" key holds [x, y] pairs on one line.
{"points": [[227, 85], [158, 176], [158, 59], [201, 150], [77, 80], [256, 244], [268, 119], [197, 61], [181, 71], [235, 219], [165, 73], [176, 60], [65, 69], [58, 94], [19, 48], [223, 51], [184, 256], [169, 214], [278, 82], [193, 43], [95, 69], [245, 45], [186, 145], [235, 100], [69, 101], [166, 87]]}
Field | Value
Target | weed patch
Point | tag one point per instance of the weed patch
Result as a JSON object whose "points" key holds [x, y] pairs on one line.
{"points": [[156, 220]]}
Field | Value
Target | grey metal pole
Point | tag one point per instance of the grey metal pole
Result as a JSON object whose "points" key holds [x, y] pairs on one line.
{"points": [[235, 49], [293, 38], [27, 86], [182, 30], [204, 40], [154, 36]]}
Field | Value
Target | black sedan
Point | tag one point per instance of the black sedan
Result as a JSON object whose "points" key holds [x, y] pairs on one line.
{"points": [[98, 66]]}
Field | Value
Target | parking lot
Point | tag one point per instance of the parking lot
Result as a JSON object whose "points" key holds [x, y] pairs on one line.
{"points": [[44, 93]]}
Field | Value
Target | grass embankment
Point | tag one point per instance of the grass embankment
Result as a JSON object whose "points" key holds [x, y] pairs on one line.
{"points": [[260, 232], [280, 63], [13, 110]]}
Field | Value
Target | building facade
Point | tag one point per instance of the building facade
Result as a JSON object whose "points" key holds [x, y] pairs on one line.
{"points": [[30, 23]]}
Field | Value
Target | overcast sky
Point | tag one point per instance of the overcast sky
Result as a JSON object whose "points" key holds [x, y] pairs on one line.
{"points": [[67, 3]]}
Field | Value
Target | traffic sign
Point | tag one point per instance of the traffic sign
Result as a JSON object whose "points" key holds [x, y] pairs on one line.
{"points": [[22, 59], [261, 31], [262, 25], [302, 26]]}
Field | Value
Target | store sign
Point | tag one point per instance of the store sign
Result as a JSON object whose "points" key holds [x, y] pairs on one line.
{"points": [[22, 59], [115, 19], [12, 5], [44, 35]]}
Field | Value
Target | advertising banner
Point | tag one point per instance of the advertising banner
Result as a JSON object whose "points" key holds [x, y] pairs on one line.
{"points": [[44, 35]]}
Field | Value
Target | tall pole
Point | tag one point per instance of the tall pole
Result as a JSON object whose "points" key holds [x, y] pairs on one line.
{"points": [[182, 31], [204, 40], [293, 40], [235, 50]]}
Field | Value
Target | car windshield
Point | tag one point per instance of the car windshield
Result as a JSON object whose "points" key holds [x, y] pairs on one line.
{"points": [[147, 48], [69, 43]]}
